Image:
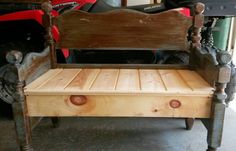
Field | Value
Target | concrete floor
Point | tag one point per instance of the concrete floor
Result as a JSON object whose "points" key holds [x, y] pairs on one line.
{"points": [[120, 134]]}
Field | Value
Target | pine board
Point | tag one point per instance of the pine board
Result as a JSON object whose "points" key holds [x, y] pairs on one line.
{"points": [[120, 106], [119, 81]]}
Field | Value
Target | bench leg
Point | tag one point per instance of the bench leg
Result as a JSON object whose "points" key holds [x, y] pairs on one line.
{"points": [[216, 123], [55, 122], [22, 126], [189, 123], [22, 121], [211, 149]]}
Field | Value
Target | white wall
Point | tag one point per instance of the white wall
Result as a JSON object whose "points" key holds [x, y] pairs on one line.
{"points": [[113, 2], [137, 2], [129, 2]]}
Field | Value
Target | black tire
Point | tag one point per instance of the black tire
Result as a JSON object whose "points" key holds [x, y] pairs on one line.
{"points": [[179, 3], [178, 58], [167, 57], [112, 56]]}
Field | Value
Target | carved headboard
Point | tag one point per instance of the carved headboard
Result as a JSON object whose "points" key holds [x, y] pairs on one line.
{"points": [[124, 29]]}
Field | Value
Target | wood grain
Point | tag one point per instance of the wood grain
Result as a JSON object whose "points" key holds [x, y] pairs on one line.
{"points": [[43, 79], [150, 80], [34, 65], [128, 80], [121, 106], [106, 80], [84, 80], [194, 80], [60, 81], [120, 81], [173, 81], [124, 29]]}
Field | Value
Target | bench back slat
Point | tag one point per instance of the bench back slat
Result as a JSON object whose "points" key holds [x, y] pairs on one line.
{"points": [[124, 29]]}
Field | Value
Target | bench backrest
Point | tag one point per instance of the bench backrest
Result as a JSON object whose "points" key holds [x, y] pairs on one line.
{"points": [[124, 29]]}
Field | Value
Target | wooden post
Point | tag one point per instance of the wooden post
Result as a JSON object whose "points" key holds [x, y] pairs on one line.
{"points": [[189, 123], [123, 3], [48, 24], [22, 122], [198, 21], [216, 121]]}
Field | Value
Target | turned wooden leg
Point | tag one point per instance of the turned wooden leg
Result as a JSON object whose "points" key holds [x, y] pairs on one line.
{"points": [[216, 122], [211, 149], [55, 122], [22, 122], [189, 123]]}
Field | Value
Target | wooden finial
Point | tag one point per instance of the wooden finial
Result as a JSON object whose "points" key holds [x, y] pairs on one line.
{"points": [[48, 24], [123, 3], [14, 57], [46, 7], [223, 58], [199, 8], [198, 21]]}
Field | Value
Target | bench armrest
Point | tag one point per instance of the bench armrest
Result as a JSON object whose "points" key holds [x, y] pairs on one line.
{"points": [[21, 70], [212, 65]]}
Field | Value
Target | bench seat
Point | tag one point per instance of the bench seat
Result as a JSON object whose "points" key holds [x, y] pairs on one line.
{"points": [[119, 92]]}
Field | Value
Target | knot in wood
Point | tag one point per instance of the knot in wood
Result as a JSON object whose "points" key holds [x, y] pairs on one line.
{"points": [[175, 104], [78, 100]]}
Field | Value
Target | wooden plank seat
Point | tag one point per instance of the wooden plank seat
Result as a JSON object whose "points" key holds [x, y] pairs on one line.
{"points": [[44, 87], [137, 92]]}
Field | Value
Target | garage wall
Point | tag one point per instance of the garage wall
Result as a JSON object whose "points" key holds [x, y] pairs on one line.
{"points": [[130, 2], [137, 2]]}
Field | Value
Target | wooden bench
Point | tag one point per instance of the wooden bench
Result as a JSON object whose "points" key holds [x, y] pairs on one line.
{"points": [[47, 88]]}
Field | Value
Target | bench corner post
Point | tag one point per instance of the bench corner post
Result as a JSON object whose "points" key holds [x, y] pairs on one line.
{"points": [[216, 121], [21, 119]]}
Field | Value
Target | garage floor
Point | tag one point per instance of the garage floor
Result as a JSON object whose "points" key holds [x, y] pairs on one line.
{"points": [[120, 134]]}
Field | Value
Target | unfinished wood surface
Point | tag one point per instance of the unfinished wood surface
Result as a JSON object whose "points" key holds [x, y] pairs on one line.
{"points": [[122, 105], [194, 80], [128, 80], [119, 81], [60, 81], [124, 29], [46, 77], [106, 80], [173, 81], [84, 80], [150, 80]]}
